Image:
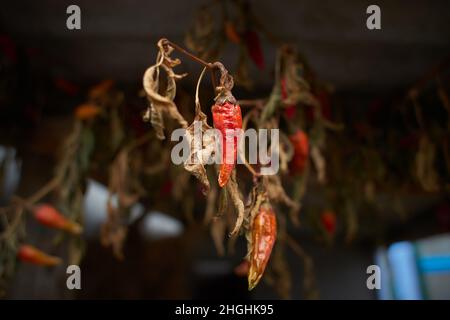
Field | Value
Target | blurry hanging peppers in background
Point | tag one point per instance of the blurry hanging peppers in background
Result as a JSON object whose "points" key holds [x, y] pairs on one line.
{"points": [[50, 217], [300, 142], [30, 254], [87, 111], [328, 219], [254, 48], [231, 32]]}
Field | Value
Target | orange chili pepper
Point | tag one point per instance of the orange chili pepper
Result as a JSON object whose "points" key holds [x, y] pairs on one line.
{"points": [[101, 88], [264, 233], [231, 33], [300, 142], [50, 217], [227, 118], [87, 111], [30, 254]]}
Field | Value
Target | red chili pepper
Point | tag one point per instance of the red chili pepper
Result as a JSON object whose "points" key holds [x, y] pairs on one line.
{"points": [[254, 48], [264, 233], [30, 254], [328, 219], [50, 217], [227, 118], [290, 112], [299, 161]]}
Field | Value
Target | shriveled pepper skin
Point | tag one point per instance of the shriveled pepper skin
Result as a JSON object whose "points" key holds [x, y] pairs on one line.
{"points": [[227, 117], [264, 233]]}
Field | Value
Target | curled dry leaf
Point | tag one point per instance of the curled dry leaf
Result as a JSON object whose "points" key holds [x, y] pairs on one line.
{"points": [[223, 203], [276, 192], [114, 230], [319, 163], [200, 149], [297, 88], [218, 229], [72, 170], [235, 195], [162, 102], [210, 205]]}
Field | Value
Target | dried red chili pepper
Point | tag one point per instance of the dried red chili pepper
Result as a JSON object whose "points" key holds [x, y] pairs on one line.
{"points": [[227, 118], [328, 219], [50, 217], [254, 48], [300, 142], [30, 254], [264, 232]]}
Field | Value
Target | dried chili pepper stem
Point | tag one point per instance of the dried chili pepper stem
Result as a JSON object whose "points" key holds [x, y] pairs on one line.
{"points": [[224, 99], [187, 53], [226, 80], [208, 65]]}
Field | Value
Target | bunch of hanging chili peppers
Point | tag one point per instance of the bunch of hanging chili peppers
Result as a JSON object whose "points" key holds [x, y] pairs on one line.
{"points": [[48, 216]]}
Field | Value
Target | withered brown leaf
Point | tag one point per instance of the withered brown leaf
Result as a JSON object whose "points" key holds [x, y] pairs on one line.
{"points": [[200, 148], [235, 195], [162, 103]]}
